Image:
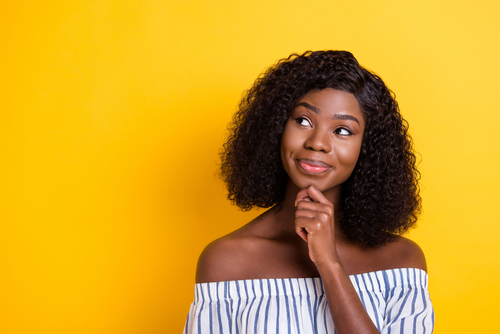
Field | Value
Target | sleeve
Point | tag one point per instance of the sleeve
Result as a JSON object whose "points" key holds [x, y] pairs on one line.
{"points": [[409, 311], [208, 316]]}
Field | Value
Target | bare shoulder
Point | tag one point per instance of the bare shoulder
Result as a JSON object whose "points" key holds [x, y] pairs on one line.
{"points": [[221, 259], [405, 253], [234, 256], [400, 253], [259, 249]]}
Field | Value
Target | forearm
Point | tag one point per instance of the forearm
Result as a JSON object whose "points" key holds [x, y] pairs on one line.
{"points": [[348, 313], [314, 223]]}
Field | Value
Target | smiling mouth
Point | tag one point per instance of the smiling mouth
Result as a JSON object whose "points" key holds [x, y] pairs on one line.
{"points": [[313, 167]]}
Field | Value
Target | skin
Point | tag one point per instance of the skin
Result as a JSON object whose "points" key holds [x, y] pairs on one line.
{"points": [[319, 149]]}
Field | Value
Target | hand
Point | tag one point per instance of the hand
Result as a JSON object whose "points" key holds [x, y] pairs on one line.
{"points": [[315, 224]]}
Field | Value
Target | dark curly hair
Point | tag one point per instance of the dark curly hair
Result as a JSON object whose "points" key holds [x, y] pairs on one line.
{"points": [[381, 197]]}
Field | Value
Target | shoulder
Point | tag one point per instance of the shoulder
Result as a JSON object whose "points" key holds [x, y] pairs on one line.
{"points": [[218, 260], [404, 253], [256, 250], [400, 253], [232, 257]]}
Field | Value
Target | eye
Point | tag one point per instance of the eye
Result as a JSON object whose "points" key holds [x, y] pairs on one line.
{"points": [[343, 132], [303, 121]]}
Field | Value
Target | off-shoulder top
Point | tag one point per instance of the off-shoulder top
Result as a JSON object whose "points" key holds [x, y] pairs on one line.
{"points": [[397, 301]]}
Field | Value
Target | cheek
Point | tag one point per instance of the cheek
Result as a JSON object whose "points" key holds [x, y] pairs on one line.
{"points": [[348, 155], [282, 156], [287, 140], [288, 145], [283, 147]]}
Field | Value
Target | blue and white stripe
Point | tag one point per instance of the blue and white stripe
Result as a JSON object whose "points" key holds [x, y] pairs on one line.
{"points": [[397, 301]]}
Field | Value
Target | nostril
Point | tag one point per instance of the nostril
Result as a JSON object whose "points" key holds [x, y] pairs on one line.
{"points": [[317, 149], [316, 144]]}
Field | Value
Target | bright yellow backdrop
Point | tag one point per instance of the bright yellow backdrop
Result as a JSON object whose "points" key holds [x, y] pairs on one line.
{"points": [[112, 114]]}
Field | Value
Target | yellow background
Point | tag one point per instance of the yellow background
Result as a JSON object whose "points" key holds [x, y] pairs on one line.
{"points": [[112, 114]]}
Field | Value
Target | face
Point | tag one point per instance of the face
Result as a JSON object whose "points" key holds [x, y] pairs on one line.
{"points": [[322, 139]]}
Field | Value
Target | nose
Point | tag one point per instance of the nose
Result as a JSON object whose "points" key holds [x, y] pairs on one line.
{"points": [[319, 140]]}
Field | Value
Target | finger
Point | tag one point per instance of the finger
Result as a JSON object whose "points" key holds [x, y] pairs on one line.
{"points": [[310, 219], [301, 232], [304, 199], [306, 214], [313, 206], [302, 195], [305, 226], [300, 228], [308, 229], [316, 195]]}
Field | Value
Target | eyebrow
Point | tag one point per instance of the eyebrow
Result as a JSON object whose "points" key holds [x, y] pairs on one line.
{"points": [[348, 117], [310, 107], [336, 116]]}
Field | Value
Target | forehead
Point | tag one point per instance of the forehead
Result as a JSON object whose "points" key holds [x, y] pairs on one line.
{"points": [[329, 102]]}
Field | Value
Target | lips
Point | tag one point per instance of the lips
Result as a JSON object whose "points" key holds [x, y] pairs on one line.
{"points": [[313, 167]]}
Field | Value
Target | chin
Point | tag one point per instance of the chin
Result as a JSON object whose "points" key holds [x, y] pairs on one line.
{"points": [[318, 184]]}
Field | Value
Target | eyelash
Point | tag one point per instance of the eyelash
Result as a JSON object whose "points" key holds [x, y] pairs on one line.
{"points": [[299, 121], [339, 129]]}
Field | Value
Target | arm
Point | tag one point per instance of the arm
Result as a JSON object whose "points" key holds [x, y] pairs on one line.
{"points": [[314, 222]]}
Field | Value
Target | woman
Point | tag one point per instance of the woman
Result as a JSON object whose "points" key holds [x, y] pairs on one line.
{"points": [[320, 140]]}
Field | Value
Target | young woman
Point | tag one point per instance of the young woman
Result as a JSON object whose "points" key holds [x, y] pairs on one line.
{"points": [[320, 140]]}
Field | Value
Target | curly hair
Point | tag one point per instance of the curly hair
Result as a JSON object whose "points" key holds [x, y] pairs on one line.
{"points": [[381, 197]]}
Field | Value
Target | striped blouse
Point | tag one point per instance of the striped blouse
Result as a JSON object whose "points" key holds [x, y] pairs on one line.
{"points": [[397, 301]]}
